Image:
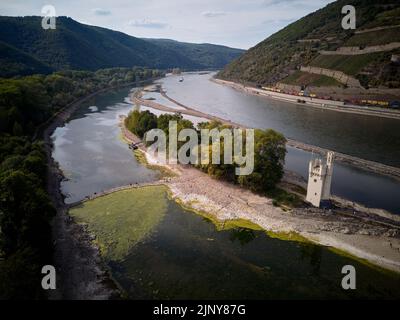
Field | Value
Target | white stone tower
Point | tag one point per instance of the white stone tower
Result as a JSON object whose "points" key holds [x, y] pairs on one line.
{"points": [[319, 180]]}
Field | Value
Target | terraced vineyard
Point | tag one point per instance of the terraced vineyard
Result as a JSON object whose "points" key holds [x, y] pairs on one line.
{"points": [[318, 40], [309, 79], [350, 65]]}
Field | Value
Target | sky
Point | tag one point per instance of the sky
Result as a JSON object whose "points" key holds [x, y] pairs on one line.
{"points": [[235, 23]]}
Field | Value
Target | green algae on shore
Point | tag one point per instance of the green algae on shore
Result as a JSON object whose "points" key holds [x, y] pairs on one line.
{"points": [[122, 219], [156, 248]]}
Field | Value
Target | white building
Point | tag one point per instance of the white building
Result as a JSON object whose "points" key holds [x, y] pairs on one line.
{"points": [[319, 180]]}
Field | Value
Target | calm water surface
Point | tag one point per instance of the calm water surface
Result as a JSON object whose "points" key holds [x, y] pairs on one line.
{"points": [[367, 137], [91, 152], [185, 256]]}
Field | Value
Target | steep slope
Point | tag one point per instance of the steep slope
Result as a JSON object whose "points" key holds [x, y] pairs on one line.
{"points": [[73, 45], [14, 61], [210, 56], [77, 46], [314, 39]]}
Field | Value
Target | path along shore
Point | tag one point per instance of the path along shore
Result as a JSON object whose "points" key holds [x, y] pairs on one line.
{"points": [[376, 243]]}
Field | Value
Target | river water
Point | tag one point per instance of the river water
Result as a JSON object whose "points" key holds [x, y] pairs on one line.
{"points": [[90, 150], [367, 137], [181, 254]]}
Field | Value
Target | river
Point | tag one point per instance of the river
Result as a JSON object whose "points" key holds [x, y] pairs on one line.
{"points": [[367, 137], [91, 152], [157, 249]]}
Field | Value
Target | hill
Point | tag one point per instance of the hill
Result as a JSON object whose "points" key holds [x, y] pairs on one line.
{"points": [[367, 55], [14, 61], [210, 56], [28, 48]]}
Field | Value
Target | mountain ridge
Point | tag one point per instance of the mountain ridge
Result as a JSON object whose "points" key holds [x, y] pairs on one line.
{"points": [[73, 45]]}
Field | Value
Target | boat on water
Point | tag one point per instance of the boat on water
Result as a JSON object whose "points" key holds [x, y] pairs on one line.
{"points": [[181, 79]]}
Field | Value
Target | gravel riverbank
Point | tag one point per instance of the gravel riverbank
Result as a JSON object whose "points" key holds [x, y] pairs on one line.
{"points": [[365, 235]]}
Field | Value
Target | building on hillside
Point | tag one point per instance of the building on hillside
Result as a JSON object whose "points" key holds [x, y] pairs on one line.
{"points": [[319, 181]]}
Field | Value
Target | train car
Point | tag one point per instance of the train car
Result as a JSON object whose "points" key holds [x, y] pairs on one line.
{"points": [[394, 105]]}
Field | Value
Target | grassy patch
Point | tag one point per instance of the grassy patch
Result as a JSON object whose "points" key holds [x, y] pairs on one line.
{"points": [[288, 236], [385, 18], [350, 65], [284, 199], [122, 219], [374, 38], [300, 78]]}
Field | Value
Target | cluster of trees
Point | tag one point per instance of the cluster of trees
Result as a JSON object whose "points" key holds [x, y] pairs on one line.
{"points": [[140, 122], [25, 207], [269, 149], [26, 48]]}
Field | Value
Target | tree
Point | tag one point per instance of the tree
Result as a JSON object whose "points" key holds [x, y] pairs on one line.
{"points": [[17, 129], [269, 159], [141, 122], [25, 212]]}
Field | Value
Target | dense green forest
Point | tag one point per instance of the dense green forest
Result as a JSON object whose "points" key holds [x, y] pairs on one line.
{"points": [[269, 153], [209, 56], [25, 208], [26, 48], [298, 44]]}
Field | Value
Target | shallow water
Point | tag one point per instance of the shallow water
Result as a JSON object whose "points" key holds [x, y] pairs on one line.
{"points": [[91, 152], [181, 254], [352, 183], [184, 256]]}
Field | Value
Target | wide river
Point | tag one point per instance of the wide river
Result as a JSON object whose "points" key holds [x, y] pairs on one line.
{"points": [[366, 137], [157, 249]]}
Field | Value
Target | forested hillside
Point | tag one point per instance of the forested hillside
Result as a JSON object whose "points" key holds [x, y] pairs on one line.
{"points": [[26, 48], [25, 208], [209, 56], [303, 42]]}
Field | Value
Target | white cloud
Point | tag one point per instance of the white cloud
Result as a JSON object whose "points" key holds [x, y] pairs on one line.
{"points": [[144, 23], [213, 14], [101, 12]]}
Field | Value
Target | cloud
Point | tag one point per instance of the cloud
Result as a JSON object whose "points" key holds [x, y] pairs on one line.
{"points": [[150, 24], [213, 14], [101, 12]]}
